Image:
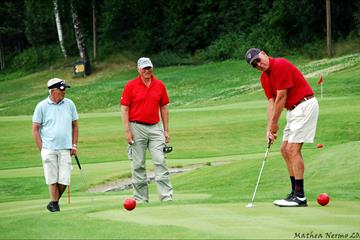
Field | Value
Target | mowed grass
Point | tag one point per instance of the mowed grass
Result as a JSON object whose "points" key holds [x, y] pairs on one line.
{"points": [[220, 132]]}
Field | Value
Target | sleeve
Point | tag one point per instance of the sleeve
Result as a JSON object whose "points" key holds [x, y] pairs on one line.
{"points": [[164, 100], [284, 79], [38, 116], [126, 96], [74, 113]]}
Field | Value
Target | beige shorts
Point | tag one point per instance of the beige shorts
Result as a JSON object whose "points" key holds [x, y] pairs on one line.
{"points": [[301, 122], [57, 166]]}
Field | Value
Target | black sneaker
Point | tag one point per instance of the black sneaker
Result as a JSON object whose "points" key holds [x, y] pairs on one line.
{"points": [[292, 202], [53, 207]]}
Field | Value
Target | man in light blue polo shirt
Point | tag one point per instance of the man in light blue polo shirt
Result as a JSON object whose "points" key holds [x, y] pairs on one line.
{"points": [[56, 132]]}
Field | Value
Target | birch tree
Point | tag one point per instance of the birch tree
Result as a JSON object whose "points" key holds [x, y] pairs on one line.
{"points": [[59, 28], [80, 39]]}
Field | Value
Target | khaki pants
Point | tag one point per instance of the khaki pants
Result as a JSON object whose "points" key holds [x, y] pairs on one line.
{"points": [[152, 138]]}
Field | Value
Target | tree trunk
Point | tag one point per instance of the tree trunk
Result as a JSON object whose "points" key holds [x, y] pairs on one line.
{"points": [[59, 28], [328, 28], [80, 39], [94, 30]]}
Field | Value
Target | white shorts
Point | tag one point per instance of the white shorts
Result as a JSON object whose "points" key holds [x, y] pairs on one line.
{"points": [[301, 122], [57, 166]]}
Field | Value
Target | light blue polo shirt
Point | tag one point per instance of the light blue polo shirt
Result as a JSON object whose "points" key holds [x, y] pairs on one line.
{"points": [[55, 123]]}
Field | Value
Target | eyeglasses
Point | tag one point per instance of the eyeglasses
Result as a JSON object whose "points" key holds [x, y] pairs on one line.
{"points": [[255, 62]]}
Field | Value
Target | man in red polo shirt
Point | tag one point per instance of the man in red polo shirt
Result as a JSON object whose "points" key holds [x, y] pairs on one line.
{"points": [[285, 87], [142, 100]]}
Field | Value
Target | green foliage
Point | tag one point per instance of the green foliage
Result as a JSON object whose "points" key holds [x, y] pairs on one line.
{"points": [[229, 46], [37, 58], [315, 49], [180, 33], [40, 23]]}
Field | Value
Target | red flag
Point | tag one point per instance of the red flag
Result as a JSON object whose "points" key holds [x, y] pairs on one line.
{"points": [[321, 80]]}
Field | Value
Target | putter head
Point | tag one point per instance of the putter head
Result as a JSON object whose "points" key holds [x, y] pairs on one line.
{"points": [[250, 205], [167, 148]]}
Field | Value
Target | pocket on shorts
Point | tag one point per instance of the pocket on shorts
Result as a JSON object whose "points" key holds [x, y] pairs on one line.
{"points": [[45, 155], [298, 112]]}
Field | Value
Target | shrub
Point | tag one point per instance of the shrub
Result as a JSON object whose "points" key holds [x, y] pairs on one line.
{"points": [[229, 46], [36, 57], [315, 49]]}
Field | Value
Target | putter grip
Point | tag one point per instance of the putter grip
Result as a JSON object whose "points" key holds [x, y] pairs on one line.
{"points": [[77, 161]]}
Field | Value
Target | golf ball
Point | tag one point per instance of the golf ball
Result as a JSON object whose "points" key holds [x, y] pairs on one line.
{"points": [[129, 204], [323, 199], [319, 145]]}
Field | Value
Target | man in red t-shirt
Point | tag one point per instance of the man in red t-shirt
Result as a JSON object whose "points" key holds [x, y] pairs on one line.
{"points": [[144, 100], [285, 87]]}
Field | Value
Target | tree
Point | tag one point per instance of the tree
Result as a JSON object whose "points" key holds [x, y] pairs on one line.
{"points": [[59, 28], [80, 39]]}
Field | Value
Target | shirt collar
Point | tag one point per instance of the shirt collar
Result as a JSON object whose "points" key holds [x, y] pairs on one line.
{"points": [[142, 83]]}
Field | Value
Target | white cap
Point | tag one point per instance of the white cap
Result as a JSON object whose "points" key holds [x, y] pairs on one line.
{"points": [[144, 62], [57, 83]]}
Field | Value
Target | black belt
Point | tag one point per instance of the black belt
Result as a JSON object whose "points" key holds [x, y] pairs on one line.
{"points": [[143, 123], [301, 101]]}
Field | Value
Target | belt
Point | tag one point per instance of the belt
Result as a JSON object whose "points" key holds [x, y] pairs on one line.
{"points": [[143, 123], [301, 101]]}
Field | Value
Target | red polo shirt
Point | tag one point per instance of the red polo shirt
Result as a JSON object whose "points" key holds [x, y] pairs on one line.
{"points": [[282, 74], [144, 102]]}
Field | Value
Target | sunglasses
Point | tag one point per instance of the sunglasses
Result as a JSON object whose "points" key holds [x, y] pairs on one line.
{"points": [[255, 62]]}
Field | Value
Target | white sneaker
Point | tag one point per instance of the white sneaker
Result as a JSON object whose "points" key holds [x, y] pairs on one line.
{"points": [[289, 196], [293, 202]]}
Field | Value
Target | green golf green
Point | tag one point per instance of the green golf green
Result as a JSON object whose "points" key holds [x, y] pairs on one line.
{"points": [[217, 124]]}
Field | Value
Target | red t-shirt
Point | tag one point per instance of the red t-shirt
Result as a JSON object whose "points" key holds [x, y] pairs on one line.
{"points": [[282, 74], [144, 102]]}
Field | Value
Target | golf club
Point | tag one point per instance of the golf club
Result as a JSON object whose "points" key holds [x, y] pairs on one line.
{"points": [[84, 180], [251, 205]]}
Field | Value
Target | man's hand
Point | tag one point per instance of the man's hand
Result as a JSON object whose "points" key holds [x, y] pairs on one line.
{"points": [[274, 128], [167, 136], [129, 138], [73, 150], [271, 137]]}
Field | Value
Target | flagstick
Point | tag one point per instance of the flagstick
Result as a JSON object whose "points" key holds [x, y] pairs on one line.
{"points": [[321, 87], [69, 195]]}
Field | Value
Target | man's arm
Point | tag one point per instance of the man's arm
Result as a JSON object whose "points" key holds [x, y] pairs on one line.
{"points": [[164, 112], [75, 137], [125, 119], [277, 108], [36, 135]]}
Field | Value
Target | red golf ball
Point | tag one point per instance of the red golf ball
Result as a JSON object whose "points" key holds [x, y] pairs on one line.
{"points": [[323, 199], [129, 204]]}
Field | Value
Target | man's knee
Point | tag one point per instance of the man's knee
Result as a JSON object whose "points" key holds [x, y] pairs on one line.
{"points": [[283, 150], [292, 150]]}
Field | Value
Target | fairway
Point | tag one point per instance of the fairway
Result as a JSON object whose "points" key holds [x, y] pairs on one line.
{"points": [[219, 136]]}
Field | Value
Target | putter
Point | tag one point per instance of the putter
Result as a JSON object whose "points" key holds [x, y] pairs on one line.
{"points": [[251, 205]]}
